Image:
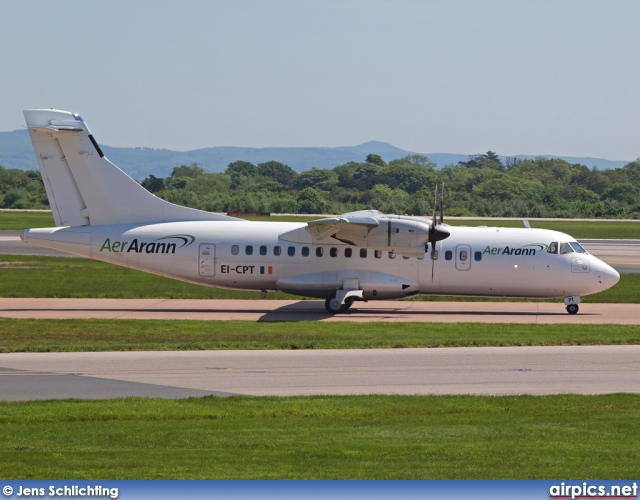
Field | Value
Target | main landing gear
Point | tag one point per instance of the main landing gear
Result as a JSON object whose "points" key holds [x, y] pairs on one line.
{"points": [[572, 304], [342, 300], [334, 306]]}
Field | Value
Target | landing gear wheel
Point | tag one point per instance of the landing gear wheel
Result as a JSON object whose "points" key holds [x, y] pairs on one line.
{"points": [[348, 302], [334, 306], [572, 308]]}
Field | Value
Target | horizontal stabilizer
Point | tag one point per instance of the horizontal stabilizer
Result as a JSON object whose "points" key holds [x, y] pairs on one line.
{"points": [[76, 240]]}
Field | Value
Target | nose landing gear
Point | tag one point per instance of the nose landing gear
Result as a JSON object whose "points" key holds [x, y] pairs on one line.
{"points": [[572, 304], [572, 308]]}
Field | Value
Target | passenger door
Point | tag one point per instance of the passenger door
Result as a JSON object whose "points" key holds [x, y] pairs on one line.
{"points": [[463, 257], [207, 260]]}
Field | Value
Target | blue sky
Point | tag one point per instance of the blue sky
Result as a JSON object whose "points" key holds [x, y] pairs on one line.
{"points": [[540, 77]]}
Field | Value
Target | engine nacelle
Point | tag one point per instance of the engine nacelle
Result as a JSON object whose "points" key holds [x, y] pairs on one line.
{"points": [[396, 233]]}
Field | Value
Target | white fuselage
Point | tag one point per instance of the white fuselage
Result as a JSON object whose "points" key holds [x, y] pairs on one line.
{"points": [[489, 261], [104, 214]]}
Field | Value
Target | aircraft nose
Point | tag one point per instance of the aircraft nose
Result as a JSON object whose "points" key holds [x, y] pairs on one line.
{"points": [[608, 276]]}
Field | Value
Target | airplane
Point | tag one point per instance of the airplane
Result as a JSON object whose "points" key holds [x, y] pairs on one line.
{"points": [[102, 213]]}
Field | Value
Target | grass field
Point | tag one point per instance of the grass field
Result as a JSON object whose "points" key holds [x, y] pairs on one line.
{"points": [[593, 230], [86, 335], [22, 220], [577, 229], [34, 276], [324, 437]]}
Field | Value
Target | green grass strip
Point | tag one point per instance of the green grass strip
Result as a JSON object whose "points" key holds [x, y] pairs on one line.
{"points": [[45, 335], [63, 277], [324, 437], [576, 228], [11, 220]]}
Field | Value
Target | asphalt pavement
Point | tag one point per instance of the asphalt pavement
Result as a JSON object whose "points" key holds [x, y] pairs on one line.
{"points": [[459, 370]]}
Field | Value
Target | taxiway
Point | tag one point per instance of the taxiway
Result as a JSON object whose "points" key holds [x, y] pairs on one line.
{"points": [[460, 370], [313, 310]]}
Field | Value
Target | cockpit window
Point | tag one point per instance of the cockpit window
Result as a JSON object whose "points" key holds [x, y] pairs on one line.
{"points": [[577, 247], [553, 247], [565, 248]]}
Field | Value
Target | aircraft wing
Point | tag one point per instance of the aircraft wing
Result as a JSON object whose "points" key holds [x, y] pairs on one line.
{"points": [[407, 236]]}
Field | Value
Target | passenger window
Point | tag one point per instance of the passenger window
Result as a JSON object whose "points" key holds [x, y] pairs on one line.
{"points": [[305, 251], [277, 250], [348, 252], [319, 251], [235, 250], [263, 250], [363, 253], [448, 255], [565, 248], [333, 252], [291, 251], [377, 254], [463, 255], [248, 249], [553, 247], [477, 256], [392, 255]]}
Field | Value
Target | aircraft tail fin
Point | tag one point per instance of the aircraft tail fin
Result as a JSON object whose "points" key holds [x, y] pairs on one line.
{"points": [[84, 188]]}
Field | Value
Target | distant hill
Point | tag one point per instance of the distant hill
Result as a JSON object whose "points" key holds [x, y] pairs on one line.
{"points": [[16, 152]]}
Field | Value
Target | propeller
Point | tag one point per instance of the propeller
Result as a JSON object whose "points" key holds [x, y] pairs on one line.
{"points": [[435, 207], [441, 203], [435, 233]]}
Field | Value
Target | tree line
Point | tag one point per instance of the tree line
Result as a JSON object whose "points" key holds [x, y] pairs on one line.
{"points": [[482, 186]]}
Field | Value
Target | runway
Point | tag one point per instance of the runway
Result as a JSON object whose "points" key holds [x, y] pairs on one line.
{"points": [[622, 255], [300, 310], [480, 371], [473, 370]]}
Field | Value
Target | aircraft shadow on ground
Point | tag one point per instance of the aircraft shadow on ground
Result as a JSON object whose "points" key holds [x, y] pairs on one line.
{"points": [[295, 312], [302, 311]]}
